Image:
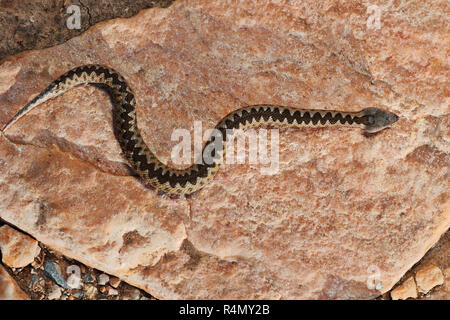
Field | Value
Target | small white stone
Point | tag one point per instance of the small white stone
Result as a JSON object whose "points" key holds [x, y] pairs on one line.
{"points": [[379, 286], [112, 291], [103, 279], [74, 279]]}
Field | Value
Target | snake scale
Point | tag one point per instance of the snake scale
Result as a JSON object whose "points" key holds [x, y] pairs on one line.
{"points": [[186, 181]]}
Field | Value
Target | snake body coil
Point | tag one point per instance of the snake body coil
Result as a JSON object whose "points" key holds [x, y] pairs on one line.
{"points": [[186, 181]]}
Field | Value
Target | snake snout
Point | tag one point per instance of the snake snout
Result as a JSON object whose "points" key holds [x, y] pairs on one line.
{"points": [[378, 119], [393, 117]]}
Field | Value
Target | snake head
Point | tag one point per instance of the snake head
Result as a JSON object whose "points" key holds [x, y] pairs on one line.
{"points": [[377, 119]]}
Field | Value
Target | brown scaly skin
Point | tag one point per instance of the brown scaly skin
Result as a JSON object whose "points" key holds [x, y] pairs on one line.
{"points": [[180, 182]]}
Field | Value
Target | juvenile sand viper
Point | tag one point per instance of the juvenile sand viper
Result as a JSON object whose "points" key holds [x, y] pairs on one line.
{"points": [[175, 181]]}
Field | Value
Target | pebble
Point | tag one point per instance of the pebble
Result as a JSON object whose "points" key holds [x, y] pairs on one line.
{"points": [[114, 282], [135, 295], [91, 292], [112, 292], [405, 290], [34, 279], [103, 279], [429, 277], [53, 271], [18, 249], [55, 293], [88, 278], [74, 279], [79, 294]]}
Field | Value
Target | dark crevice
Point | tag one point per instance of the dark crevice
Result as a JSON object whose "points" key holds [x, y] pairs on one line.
{"points": [[31, 24]]}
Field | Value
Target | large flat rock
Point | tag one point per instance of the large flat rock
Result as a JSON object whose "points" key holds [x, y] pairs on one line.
{"points": [[9, 290], [345, 216]]}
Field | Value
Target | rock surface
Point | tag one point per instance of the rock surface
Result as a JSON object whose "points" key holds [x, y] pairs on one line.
{"points": [[437, 256], [37, 24], [429, 277], [346, 215], [18, 250], [9, 290], [53, 276], [407, 289]]}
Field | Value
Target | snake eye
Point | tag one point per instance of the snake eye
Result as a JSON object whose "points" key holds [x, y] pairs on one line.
{"points": [[370, 120]]}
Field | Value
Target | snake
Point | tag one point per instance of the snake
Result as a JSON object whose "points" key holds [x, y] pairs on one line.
{"points": [[172, 181]]}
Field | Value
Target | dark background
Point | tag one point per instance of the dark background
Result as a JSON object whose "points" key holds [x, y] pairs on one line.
{"points": [[37, 24]]}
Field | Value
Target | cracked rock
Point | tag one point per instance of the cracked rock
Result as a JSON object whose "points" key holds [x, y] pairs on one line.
{"points": [[9, 290], [343, 211], [405, 290], [18, 250]]}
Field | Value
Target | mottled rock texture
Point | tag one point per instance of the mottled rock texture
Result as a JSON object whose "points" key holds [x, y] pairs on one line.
{"points": [[345, 217], [438, 256], [18, 250], [9, 290], [429, 277], [407, 289], [37, 24]]}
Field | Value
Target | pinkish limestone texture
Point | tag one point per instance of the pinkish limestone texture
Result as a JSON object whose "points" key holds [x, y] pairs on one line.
{"points": [[9, 290], [18, 250], [346, 215], [429, 277], [407, 289]]}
